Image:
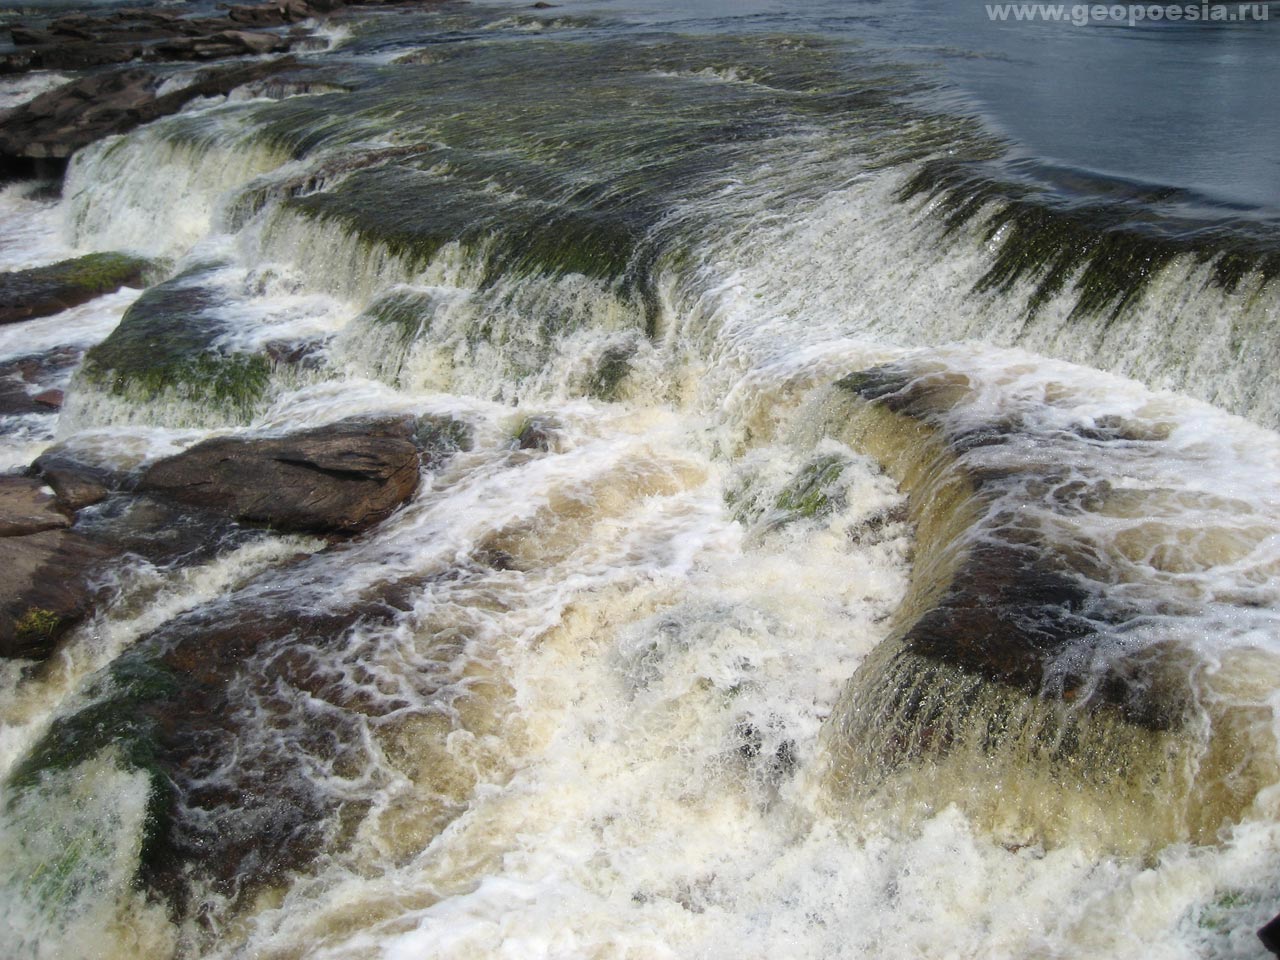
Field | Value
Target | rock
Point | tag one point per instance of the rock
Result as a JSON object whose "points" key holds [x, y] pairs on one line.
{"points": [[166, 345], [15, 401], [291, 353], [42, 291], [256, 43], [17, 377], [538, 433], [50, 398], [179, 705], [76, 485], [45, 589], [262, 15], [26, 37], [59, 122], [74, 55], [341, 478], [26, 508], [226, 43], [1270, 936]]}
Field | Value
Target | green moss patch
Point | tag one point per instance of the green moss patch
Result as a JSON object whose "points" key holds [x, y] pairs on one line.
{"points": [[43, 291], [165, 346]]}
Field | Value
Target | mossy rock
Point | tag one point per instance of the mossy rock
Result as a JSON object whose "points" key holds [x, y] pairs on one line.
{"points": [[43, 291], [37, 626], [814, 492], [165, 346], [611, 369]]}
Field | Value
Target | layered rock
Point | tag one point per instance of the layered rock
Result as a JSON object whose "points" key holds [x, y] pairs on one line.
{"points": [[1011, 683], [46, 579], [43, 291], [341, 478], [57, 123]]}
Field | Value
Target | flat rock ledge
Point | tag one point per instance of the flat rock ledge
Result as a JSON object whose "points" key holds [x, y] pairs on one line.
{"points": [[341, 478], [46, 577]]}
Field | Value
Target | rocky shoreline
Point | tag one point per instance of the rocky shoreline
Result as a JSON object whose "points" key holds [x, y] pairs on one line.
{"points": [[334, 481], [125, 58]]}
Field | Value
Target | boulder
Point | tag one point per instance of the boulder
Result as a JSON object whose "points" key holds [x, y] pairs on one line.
{"points": [[26, 506], [42, 291], [76, 485], [341, 478], [45, 589]]}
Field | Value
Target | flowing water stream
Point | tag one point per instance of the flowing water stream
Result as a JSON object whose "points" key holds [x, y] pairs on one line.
{"points": [[860, 541]]}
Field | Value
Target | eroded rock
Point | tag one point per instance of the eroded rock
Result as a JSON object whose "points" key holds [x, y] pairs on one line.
{"points": [[46, 588], [27, 506], [341, 478], [43, 291], [59, 122]]}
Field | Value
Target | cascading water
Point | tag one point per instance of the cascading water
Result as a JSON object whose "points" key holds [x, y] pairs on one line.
{"points": [[783, 585]]}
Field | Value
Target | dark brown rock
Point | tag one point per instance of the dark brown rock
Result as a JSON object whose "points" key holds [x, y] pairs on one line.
{"points": [[258, 15], [26, 507], [49, 398], [57, 123], [183, 701], [342, 478], [43, 291], [1270, 936], [538, 433], [45, 589], [76, 485]]}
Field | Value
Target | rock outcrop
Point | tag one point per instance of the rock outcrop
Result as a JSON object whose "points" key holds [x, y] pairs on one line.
{"points": [[56, 124], [341, 478], [46, 578], [43, 291]]}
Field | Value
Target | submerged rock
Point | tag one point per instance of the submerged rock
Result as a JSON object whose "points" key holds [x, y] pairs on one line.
{"points": [[231, 805], [538, 433], [1012, 683], [248, 715], [165, 347], [342, 478], [43, 291]]}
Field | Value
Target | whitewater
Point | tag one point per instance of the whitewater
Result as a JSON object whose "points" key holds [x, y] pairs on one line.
{"points": [[858, 544]]}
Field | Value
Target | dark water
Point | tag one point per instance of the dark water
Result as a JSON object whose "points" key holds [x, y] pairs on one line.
{"points": [[1186, 105]]}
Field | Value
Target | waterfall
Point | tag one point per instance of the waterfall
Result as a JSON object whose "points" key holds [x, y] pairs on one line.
{"points": [[834, 531]]}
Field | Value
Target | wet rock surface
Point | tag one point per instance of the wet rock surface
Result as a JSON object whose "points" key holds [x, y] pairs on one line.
{"points": [[1015, 609], [80, 41], [46, 588], [226, 809], [64, 522], [26, 383], [337, 479], [43, 291], [27, 506], [75, 484], [235, 805], [56, 124]]}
